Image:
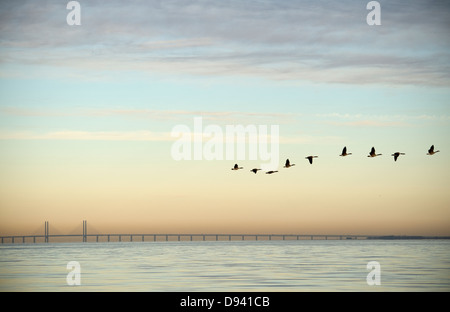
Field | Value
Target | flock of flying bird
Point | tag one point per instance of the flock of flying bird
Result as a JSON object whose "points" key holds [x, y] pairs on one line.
{"points": [[372, 153]]}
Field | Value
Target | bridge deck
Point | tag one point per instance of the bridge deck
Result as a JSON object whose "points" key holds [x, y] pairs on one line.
{"points": [[128, 237]]}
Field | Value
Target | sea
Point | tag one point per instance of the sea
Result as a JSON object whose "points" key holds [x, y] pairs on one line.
{"points": [[421, 265]]}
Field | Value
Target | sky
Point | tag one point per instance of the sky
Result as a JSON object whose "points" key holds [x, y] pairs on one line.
{"points": [[87, 114]]}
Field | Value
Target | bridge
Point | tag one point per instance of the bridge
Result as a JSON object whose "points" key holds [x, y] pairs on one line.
{"points": [[154, 237]]}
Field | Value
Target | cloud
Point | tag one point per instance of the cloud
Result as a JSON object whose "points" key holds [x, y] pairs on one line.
{"points": [[232, 117], [400, 117], [93, 136], [88, 136], [153, 136], [316, 41], [361, 120], [369, 123]]}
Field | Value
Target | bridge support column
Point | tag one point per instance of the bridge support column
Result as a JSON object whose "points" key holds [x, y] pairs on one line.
{"points": [[46, 232], [84, 231]]}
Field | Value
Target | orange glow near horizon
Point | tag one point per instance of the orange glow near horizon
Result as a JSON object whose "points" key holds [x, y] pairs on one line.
{"points": [[333, 196]]}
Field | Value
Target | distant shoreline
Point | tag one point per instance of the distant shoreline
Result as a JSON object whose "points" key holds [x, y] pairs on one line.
{"points": [[407, 237]]}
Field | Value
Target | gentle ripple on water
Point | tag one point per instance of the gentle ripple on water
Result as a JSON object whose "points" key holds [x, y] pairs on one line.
{"points": [[406, 265]]}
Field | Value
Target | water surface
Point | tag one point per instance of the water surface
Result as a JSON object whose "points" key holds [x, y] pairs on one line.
{"points": [[257, 266]]}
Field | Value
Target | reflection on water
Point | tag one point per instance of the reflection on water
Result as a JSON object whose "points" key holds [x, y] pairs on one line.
{"points": [[406, 265]]}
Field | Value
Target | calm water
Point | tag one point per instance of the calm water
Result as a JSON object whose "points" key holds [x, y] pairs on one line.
{"points": [[318, 265]]}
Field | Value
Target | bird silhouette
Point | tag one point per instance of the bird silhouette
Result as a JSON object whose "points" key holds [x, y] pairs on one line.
{"points": [[236, 167], [254, 170], [270, 172], [288, 164], [344, 152], [372, 153], [310, 158], [396, 155], [431, 151]]}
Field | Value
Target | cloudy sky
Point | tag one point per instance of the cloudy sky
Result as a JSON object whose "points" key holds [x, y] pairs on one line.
{"points": [[87, 111]]}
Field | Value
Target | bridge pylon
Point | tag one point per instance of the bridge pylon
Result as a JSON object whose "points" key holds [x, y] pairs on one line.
{"points": [[46, 231]]}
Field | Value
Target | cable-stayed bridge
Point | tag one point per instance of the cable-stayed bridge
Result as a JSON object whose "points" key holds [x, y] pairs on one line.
{"points": [[46, 237]]}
